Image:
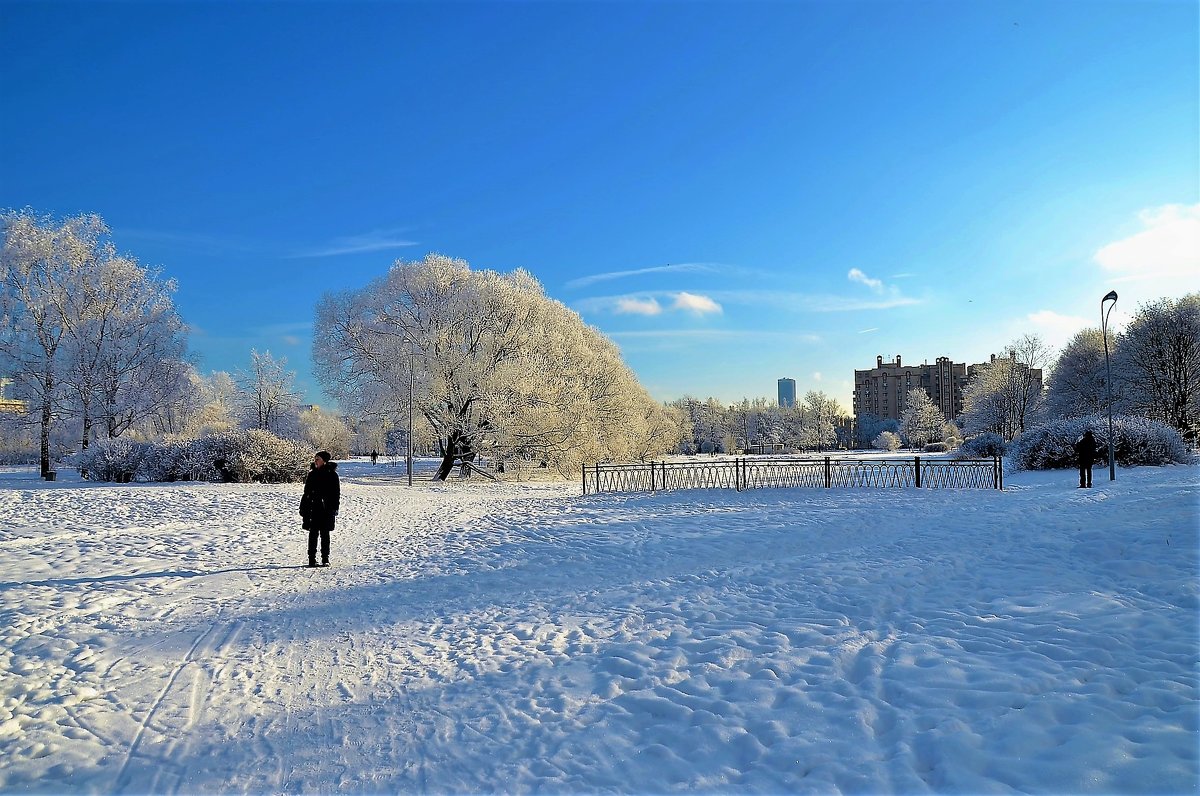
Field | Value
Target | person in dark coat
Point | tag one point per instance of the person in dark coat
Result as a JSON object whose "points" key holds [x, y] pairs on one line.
{"points": [[320, 504], [374, 456], [1085, 452]]}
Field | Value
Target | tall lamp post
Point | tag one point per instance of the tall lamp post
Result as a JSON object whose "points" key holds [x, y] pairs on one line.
{"points": [[412, 355], [1112, 448]]}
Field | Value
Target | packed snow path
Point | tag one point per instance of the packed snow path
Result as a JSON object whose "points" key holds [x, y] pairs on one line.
{"points": [[164, 639]]}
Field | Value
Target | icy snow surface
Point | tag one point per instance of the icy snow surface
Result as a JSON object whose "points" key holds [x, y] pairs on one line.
{"points": [[518, 638]]}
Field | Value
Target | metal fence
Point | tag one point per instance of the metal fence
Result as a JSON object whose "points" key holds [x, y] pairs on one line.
{"points": [[827, 473]]}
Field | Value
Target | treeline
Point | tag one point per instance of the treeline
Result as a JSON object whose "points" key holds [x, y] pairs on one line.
{"points": [[92, 342]]}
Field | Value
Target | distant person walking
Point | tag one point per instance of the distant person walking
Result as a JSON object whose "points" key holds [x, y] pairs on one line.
{"points": [[374, 456], [319, 505], [1085, 452]]}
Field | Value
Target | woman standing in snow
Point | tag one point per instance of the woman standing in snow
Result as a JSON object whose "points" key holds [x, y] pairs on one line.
{"points": [[319, 505]]}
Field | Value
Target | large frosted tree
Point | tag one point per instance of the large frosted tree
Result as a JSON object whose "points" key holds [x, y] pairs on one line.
{"points": [[495, 366], [42, 264], [268, 396], [1079, 385], [1004, 396], [124, 362], [921, 421], [1157, 363]]}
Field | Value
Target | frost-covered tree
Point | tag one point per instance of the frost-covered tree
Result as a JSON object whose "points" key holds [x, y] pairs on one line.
{"points": [[886, 441], [1158, 361], [495, 366], [922, 421], [42, 263], [1078, 387], [218, 402], [268, 393], [1005, 395], [125, 355], [325, 431], [818, 414], [89, 336]]}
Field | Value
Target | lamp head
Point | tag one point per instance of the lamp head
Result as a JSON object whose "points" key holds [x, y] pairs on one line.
{"points": [[1112, 296]]}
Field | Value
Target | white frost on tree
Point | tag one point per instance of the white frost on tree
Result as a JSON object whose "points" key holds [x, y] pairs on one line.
{"points": [[1004, 396], [1079, 385], [268, 394], [886, 441], [496, 367], [1157, 363], [922, 421]]}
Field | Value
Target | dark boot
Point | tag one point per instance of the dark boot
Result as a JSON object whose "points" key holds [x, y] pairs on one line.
{"points": [[324, 561], [312, 561]]}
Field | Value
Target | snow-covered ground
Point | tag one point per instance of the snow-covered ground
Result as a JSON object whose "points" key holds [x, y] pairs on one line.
{"points": [[516, 638]]}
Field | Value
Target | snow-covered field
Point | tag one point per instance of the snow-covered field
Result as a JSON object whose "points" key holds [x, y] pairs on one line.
{"points": [[518, 638]]}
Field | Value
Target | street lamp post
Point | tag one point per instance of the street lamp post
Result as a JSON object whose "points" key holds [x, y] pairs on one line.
{"points": [[1112, 448], [411, 366]]}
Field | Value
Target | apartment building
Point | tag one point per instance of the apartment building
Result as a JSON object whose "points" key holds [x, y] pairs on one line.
{"points": [[881, 391]]}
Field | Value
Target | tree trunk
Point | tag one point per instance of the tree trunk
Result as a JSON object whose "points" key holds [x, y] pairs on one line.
{"points": [[45, 436], [87, 433], [453, 450]]}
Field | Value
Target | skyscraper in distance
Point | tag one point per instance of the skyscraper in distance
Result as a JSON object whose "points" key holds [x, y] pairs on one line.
{"points": [[787, 392]]}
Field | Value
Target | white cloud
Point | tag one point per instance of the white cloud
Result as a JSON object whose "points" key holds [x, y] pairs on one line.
{"points": [[657, 269], [817, 376], [872, 329], [856, 275], [698, 304], [631, 305], [1167, 246], [379, 240], [1054, 328]]}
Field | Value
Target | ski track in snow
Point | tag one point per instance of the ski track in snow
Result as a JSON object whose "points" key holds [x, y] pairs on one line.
{"points": [[519, 638]]}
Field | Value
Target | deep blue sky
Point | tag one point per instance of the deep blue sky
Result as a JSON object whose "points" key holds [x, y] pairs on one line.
{"points": [[840, 179]]}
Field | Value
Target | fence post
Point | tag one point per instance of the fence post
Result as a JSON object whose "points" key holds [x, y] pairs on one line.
{"points": [[737, 474], [585, 480], [917, 465], [828, 474], [596, 483], [999, 471]]}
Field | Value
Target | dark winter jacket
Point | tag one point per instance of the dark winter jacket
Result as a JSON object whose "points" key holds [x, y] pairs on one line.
{"points": [[322, 497], [1085, 449]]}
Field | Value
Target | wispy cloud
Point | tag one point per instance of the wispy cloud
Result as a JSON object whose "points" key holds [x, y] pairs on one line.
{"points": [[700, 305], [1168, 245], [631, 305], [716, 335], [872, 329], [856, 275], [192, 241], [378, 240], [812, 302], [677, 268], [715, 301]]}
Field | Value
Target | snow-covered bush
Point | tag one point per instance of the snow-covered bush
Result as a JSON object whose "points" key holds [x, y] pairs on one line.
{"points": [[1138, 442], [982, 446], [112, 459], [886, 441], [936, 447], [262, 456], [951, 435], [254, 455]]}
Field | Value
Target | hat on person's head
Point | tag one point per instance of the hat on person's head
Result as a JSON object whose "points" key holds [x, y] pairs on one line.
{"points": [[325, 457]]}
